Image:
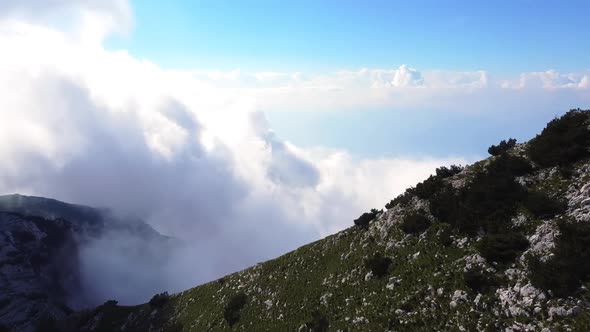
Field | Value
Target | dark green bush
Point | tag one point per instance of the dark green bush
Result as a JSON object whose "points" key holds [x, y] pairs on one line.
{"points": [[504, 146], [427, 188], [565, 271], [364, 220], [234, 306], [566, 171], [110, 303], [502, 247], [444, 235], [543, 206], [4, 328], [564, 140], [23, 236], [5, 302], [378, 264], [446, 206], [506, 165], [47, 324], [444, 172], [319, 322], [415, 223], [402, 199], [159, 300], [488, 202], [479, 281]]}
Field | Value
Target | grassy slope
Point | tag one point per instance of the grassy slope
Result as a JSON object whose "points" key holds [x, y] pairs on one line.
{"points": [[295, 283], [329, 276]]}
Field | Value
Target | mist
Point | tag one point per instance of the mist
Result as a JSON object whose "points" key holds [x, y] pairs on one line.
{"points": [[199, 163]]}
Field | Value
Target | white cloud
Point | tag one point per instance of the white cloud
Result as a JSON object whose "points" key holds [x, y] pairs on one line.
{"points": [[88, 20], [187, 151], [550, 79]]}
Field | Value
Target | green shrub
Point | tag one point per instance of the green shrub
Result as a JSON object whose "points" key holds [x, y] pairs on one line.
{"points": [[444, 235], [378, 264], [427, 188], [488, 202], [109, 304], [543, 206], [159, 300], [446, 205], [319, 322], [502, 247], [479, 281], [564, 140], [415, 223], [444, 172], [402, 199], [47, 324], [565, 271], [5, 302], [23, 236], [506, 165], [234, 306], [364, 220], [504, 146]]}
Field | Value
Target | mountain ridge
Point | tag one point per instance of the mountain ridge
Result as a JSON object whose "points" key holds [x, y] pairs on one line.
{"points": [[497, 245]]}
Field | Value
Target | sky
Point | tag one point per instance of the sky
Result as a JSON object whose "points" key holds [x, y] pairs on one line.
{"points": [[504, 39], [247, 129]]}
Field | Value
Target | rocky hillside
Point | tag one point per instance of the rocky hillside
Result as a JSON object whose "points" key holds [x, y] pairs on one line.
{"points": [[502, 244], [40, 239]]}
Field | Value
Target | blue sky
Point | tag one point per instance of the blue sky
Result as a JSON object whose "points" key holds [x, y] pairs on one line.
{"points": [[499, 36], [503, 38]]}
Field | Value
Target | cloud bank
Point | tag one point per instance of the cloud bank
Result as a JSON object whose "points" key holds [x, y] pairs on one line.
{"points": [[196, 160]]}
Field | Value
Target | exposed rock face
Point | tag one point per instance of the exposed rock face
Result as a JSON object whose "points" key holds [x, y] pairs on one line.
{"points": [[38, 269], [39, 256]]}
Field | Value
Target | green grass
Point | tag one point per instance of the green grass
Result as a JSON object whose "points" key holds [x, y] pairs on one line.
{"points": [[328, 277]]}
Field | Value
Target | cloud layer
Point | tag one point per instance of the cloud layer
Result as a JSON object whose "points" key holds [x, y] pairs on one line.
{"points": [[196, 160]]}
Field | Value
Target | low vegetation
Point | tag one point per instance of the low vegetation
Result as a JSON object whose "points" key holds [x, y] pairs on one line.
{"points": [[159, 300], [502, 147], [415, 223], [479, 281], [379, 265], [233, 308], [565, 271], [502, 247], [364, 220], [542, 206], [471, 249], [319, 322], [564, 140]]}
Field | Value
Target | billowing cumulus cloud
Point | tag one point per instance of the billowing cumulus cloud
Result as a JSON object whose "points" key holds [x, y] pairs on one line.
{"points": [[190, 155]]}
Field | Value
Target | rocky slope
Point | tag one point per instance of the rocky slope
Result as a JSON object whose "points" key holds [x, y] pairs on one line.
{"points": [[39, 259], [500, 245]]}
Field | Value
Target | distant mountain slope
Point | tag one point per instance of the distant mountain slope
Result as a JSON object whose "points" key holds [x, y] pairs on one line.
{"points": [[40, 240]]}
